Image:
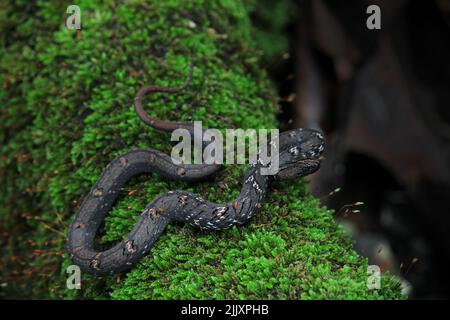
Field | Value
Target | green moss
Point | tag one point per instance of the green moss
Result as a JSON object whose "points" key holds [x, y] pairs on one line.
{"points": [[66, 111]]}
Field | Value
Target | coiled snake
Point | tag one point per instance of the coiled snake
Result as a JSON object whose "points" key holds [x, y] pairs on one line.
{"points": [[299, 152]]}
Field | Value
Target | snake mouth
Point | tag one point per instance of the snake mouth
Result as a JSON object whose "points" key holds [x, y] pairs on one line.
{"points": [[298, 169], [310, 166]]}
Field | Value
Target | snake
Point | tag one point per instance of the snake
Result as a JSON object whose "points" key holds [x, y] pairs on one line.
{"points": [[299, 155]]}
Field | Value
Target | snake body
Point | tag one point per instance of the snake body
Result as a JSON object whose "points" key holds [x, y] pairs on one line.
{"points": [[299, 152]]}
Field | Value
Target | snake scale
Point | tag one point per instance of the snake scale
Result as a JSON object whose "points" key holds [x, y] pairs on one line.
{"points": [[299, 153]]}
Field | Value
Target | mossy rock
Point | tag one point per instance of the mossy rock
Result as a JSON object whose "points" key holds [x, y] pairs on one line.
{"points": [[67, 110]]}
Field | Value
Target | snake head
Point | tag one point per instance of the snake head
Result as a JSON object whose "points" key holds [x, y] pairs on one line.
{"points": [[300, 151]]}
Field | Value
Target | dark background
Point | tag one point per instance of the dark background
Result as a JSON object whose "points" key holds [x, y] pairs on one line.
{"points": [[383, 99]]}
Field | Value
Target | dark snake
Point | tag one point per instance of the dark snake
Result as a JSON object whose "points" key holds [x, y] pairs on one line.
{"points": [[299, 153]]}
